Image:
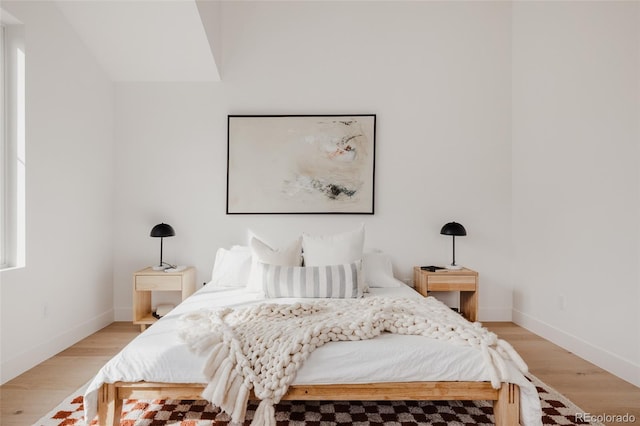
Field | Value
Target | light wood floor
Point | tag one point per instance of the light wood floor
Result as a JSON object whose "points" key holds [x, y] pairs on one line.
{"points": [[28, 397]]}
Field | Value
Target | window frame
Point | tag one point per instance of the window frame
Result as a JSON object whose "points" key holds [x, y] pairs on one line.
{"points": [[12, 144], [4, 227]]}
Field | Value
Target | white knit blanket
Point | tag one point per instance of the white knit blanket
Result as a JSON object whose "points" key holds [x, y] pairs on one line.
{"points": [[262, 347]]}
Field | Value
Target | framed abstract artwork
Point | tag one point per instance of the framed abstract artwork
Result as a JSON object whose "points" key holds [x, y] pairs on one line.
{"points": [[306, 164]]}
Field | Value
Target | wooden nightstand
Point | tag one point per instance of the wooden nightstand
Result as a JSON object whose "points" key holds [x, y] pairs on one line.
{"points": [[147, 280], [463, 280]]}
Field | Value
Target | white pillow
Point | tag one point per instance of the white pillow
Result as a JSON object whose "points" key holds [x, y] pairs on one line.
{"points": [[378, 271], [334, 281], [335, 249], [231, 267], [290, 255]]}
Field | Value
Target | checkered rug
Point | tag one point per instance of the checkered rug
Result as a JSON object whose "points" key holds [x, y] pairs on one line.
{"points": [[557, 410]]}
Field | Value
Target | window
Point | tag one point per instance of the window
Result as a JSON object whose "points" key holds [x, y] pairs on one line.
{"points": [[12, 144], [3, 224]]}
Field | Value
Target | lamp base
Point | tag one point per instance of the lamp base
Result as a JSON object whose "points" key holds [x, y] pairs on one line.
{"points": [[160, 267], [454, 267]]}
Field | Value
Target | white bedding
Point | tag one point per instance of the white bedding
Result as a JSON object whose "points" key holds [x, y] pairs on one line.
{"points": [[159, 355]]}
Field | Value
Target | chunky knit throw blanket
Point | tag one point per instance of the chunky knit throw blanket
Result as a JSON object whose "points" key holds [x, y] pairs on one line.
{"points": [[262, 347]]}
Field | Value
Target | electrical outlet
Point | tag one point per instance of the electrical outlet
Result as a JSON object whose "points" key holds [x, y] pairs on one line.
{"points": [[562, 302]]}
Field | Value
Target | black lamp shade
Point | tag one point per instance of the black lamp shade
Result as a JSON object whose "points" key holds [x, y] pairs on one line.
{"points": [[453, 228], [162, 230]]}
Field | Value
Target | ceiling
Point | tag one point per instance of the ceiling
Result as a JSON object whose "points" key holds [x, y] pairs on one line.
{"points": [[146, 40]]}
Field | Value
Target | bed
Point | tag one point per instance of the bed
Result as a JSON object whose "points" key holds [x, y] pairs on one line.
{"points": [[342, 281], [158, 364]]}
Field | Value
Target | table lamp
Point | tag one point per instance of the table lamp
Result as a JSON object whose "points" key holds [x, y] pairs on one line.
{"points": [[162, 230], [455, 230]]}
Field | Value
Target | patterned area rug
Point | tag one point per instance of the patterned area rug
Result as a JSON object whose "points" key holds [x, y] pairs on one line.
{"points": [[557, 410]]}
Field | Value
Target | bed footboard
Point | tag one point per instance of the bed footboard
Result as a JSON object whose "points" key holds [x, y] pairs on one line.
{"points": [[109, 405], [506, 400], [506, 408]]}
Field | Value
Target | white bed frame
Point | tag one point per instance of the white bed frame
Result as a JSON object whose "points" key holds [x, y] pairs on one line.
{"points": [[506, 400]]}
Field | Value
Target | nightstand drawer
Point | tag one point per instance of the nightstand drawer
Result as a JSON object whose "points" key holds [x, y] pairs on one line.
{"points": [[448, 282], [148, 282]]}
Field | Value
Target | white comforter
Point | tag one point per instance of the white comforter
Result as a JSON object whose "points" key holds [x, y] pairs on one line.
{"points": [[159, 355]]}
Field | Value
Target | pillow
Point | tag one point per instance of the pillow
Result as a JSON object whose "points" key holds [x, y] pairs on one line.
{"points": [[333, 249], [333, 281], [377, 270], [290, 255], [231, 267]]}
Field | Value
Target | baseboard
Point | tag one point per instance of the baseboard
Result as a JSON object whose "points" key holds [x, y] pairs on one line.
{"points": [[28, 359], [614, 364]]}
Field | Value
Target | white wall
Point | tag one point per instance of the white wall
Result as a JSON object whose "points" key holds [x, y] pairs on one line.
{"points": [[436, 74], [576, 182], [65, 291]]}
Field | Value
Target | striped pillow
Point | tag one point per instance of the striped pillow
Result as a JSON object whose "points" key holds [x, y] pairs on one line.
{"points": [[331, 281]]}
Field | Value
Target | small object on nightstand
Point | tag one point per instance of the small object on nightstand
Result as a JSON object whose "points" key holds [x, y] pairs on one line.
{"points": [[163, 310], [463, 280], [431, 268]]}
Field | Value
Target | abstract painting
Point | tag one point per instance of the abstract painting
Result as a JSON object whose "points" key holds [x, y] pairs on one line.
{"points": [[300, 164]]}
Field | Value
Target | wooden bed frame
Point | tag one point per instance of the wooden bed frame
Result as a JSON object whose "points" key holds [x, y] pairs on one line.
{"points": [[506, 400]]}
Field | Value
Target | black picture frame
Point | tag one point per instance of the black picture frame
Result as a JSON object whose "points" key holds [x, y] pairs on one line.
{"points": [[301, 164]]}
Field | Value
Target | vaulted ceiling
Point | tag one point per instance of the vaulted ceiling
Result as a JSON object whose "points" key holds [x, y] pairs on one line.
{"points": [[149, 40]]}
